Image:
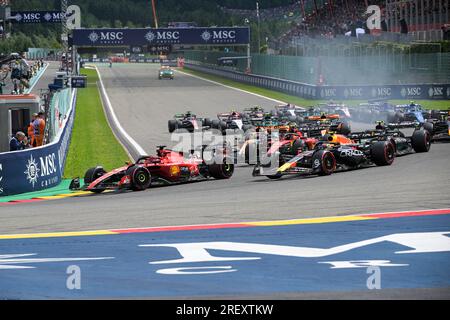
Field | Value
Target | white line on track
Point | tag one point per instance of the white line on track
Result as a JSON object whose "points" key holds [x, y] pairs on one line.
{"points": [[117, 124], [233, 88], [127, 137]]}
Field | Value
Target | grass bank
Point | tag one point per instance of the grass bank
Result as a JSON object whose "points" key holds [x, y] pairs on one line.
{"points": [[93, 143], [429, 104]]}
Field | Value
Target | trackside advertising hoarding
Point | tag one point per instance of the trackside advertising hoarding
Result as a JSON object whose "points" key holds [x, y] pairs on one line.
{"points": [[38, 168], [36, 16], [161, 36], [304, 90]]}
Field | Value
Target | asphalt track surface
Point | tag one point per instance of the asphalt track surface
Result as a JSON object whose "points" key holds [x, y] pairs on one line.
{"points": [[297, 260], [143, 104]]}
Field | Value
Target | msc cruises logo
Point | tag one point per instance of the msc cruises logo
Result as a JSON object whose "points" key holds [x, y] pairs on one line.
{"points": [[206, 35], [163, 36], [32, 171], [48, 16], [93, 36], [150, 36], [106, 37], [219, 36]]}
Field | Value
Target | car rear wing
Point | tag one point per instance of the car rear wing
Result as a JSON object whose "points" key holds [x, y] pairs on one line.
{"points": [[403, 125]]}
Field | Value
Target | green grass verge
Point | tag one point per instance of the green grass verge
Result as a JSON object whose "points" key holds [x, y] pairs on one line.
{"points": [[93, 143], [429, 104]]}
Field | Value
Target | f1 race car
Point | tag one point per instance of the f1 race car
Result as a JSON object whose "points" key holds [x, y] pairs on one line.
{"points": [[438, 124], [289, 112], [188, 121], [165, 72], [372, 111], [231, 120], [336, 108], [168, 167], [420, 141], [254, 114], [318, 126], [406, 113], [333, 152], [287, 141]]}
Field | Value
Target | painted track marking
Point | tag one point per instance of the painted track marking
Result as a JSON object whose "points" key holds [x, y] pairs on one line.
{"points": [[332, 219]]}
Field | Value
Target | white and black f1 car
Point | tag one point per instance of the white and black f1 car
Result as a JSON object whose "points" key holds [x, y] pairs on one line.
{"points": [[188, 121]]}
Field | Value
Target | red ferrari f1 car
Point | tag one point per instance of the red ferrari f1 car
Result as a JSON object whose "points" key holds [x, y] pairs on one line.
{"points": [[168, 167]]}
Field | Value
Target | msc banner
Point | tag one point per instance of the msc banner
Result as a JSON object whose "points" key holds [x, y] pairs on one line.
{"points": [[39, 168], [407, 91], [162, 36], [36, 16]]}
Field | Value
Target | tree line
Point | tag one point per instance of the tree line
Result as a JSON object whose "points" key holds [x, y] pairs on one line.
{"points": [[135, 13]]}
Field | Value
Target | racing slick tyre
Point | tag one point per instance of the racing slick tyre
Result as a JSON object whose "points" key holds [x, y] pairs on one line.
{"points": [[207, 122], [172, 125], [140, 178], [324, 162], [344, 128], [223, 125], [221, 171], [421, 141], [215, 124], [383, 153], [93, 174], [428, 126]]}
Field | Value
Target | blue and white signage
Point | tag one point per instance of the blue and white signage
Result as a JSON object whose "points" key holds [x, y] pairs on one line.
{"points": [[38, 168], [36, 16], [161, 36]]}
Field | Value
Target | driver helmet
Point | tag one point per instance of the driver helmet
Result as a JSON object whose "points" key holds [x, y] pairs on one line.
{"points": [[380, 125], [234, 115]]}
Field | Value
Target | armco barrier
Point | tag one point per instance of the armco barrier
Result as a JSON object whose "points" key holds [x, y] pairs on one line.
{"points": [[38, 168], [308, 91]]}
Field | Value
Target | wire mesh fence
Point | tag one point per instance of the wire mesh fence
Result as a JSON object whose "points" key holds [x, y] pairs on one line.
{"points": [[350, 66]]}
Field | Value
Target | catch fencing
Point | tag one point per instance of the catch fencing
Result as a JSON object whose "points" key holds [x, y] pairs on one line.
{"points": [[308, 91], [356, 66]]}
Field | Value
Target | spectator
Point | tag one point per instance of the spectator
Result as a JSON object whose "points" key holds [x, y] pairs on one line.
{"points": [[31, 138], [39, 129], [18, 142]]}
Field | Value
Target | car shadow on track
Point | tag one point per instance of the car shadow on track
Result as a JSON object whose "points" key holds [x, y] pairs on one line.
{"points": [[306, 176]]}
